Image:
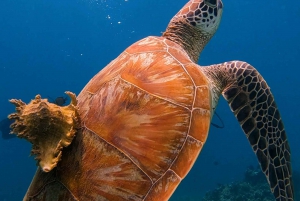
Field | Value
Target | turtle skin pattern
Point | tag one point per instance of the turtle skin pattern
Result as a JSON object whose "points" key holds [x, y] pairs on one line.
{"points": [[253, 104]]}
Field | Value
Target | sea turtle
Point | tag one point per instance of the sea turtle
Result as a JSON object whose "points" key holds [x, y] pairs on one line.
{"points": [[145, 117]]}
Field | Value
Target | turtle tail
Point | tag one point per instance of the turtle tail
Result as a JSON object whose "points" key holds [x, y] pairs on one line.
{"points": [[253, 104]]}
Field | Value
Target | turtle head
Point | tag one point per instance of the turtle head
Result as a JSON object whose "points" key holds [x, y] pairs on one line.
{"points": [[205, 15], [194, 25]]}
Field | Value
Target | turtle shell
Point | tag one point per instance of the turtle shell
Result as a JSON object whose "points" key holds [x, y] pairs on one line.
{"points": [[145, 118]]}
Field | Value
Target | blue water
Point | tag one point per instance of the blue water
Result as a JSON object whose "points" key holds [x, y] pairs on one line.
{"points": [[48, 47]]}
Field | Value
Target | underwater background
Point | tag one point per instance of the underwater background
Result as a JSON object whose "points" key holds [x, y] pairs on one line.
{"points": [[49, 47]]}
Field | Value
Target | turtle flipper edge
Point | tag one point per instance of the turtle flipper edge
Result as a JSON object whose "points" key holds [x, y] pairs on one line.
{"points": [[253, 104]]}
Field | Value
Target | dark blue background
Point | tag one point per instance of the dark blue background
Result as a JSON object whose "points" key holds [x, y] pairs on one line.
{"points": [[48, 47]]}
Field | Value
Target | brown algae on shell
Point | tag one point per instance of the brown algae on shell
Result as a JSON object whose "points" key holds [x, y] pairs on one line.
{"points": [[47, 126]]}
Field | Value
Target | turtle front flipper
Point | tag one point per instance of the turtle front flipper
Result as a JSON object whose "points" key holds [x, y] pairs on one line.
{"points": [[47, 126], [252, 103]]}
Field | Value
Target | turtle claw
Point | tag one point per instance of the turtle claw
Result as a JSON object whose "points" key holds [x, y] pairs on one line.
{"points": [[48, 127]]}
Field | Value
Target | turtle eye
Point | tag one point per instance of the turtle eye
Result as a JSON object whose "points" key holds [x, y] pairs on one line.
{"points": [[212, 3]]}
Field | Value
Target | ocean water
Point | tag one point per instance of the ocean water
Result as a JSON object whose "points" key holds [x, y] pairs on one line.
{"points": [[48, 47]]}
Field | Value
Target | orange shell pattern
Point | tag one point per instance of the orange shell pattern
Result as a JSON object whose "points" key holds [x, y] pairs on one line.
{"points": [[145, 118], [149, 111]]}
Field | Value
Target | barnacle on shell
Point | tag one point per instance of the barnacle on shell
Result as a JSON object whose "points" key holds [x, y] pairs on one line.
{"points": [[47, 126]]}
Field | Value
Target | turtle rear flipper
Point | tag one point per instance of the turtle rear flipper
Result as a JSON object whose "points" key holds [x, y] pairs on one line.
{"points": [[253, 104], [46, 186]]}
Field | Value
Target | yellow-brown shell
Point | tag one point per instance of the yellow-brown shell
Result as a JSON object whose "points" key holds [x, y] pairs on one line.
{"points": [[145, 118]]}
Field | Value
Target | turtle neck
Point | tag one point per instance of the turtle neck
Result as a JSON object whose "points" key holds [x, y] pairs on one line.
{"points": [[190, 38]]}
